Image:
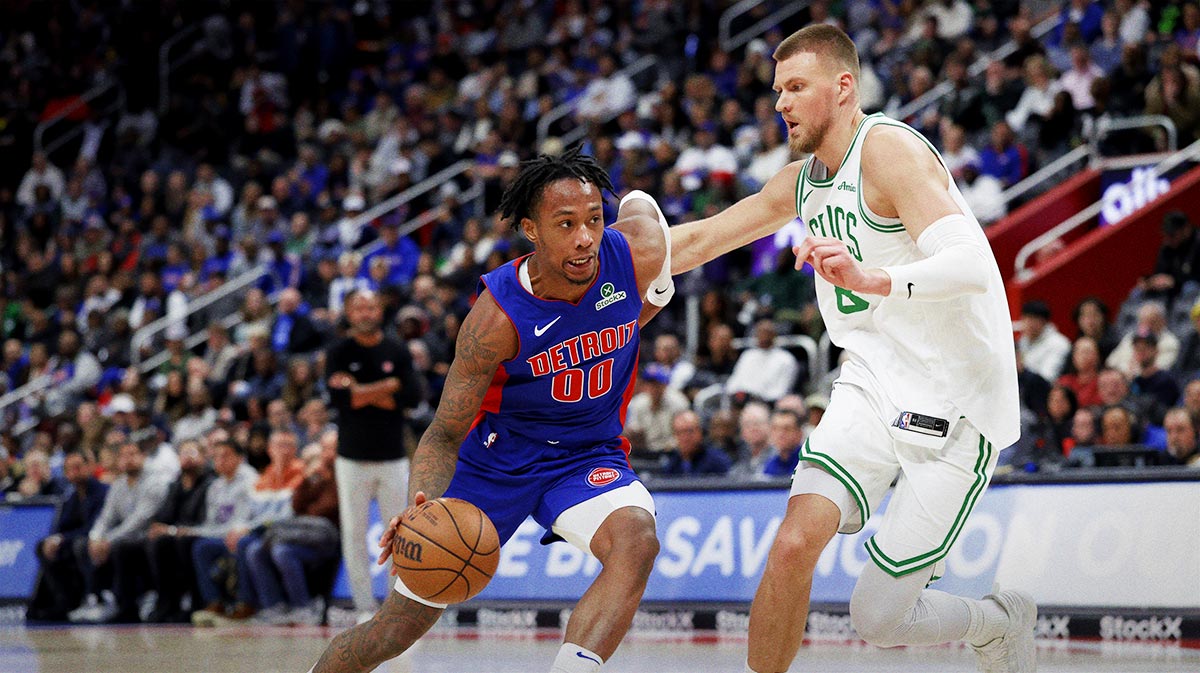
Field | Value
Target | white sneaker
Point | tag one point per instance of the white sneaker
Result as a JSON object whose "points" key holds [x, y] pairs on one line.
{"points": [[1015, 651], [85, 610], [276, 615]]}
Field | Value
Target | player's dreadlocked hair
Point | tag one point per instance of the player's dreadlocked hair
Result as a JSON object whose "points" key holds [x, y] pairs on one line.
{"points": [[523, 194]]}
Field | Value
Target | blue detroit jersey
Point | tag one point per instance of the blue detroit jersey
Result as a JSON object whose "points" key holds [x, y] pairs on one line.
{"points": [[569, 385]]}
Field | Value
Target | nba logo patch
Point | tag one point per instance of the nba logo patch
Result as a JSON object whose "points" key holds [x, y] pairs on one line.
{"points": [[387, 367], [602, 476], [905, 420]]}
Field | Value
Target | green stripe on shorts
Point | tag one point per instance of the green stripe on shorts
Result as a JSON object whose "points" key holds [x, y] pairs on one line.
{"points": [[832, 467], [898, 568]]}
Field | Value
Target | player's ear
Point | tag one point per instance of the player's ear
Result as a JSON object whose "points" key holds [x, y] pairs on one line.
{"points": [[529, 228], [846, 86]]}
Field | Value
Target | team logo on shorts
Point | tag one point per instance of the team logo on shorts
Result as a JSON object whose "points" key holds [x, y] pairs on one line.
{"points": [[603, 476]]}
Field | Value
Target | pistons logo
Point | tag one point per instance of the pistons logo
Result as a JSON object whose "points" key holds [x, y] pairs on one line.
{"points": [[602, 476]]}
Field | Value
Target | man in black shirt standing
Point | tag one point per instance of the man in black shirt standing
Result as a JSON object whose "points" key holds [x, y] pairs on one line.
{"points": [[371, 382]]}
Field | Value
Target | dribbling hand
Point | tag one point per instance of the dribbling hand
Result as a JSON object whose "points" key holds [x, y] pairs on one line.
{"points": [[389, 534]]}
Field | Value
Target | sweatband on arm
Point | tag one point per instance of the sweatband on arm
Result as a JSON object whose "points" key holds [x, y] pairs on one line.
{"points": [[662, 288], [956, 264]]}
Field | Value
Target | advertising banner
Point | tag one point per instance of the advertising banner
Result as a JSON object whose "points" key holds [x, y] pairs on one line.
{"points": [[22, 526]]}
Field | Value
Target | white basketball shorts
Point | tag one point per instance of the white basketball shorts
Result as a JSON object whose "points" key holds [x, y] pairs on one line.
{"points": [[936, 489]]}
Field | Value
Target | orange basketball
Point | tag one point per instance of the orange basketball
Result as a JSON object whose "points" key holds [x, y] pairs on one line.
{"points": [[446, 550]]}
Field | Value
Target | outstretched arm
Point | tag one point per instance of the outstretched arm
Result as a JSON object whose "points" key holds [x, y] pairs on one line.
{"points": [[694, 243]]}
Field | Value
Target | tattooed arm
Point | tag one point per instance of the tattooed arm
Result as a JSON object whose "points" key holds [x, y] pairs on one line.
{"points": [[486, 339]]}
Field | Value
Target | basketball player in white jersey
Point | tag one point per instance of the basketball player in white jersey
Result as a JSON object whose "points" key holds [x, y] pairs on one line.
{"points": [[908, 286]]}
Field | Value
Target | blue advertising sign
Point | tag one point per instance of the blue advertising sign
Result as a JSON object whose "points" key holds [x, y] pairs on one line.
{"points": [[714, 548], [22, 526]]}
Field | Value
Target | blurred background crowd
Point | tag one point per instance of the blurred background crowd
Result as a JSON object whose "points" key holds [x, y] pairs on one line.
{"points": [[176, 245]]}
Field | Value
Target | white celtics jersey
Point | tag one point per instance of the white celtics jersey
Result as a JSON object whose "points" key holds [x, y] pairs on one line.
{"points": [[941, 359]]}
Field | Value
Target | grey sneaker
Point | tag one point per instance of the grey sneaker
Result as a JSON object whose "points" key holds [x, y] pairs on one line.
{"points": [[1015, 651]]}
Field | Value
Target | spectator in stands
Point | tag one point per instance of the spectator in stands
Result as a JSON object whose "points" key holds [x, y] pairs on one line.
{"points": [[1036, 100], [400, 252], [168, 551], [754, 450], [293, 331], [1078, 79], [668, 354], [1188, 364], [1155, 388], [35, 479], [1043, 348], [1151, 319], [1118, 426], [1181, 437], [983, 193], [1106, 50], [298, 544], [1174, 94], [963, 106], [692, 455], [648, 421], [1050, 441], [1084, 13], [1091, 319], [1178, 262], [748, 380], [1083, 373], [64, 552], [41, 173], [1003, 158], [226, 505], [787, 436], [118, 536], [1084, 427]]}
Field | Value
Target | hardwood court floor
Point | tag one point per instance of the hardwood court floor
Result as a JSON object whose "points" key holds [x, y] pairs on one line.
{"points": [[165, 649]]}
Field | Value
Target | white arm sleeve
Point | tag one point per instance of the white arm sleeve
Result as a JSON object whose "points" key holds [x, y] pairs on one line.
{"points": [[956, 265], [662, 288]]}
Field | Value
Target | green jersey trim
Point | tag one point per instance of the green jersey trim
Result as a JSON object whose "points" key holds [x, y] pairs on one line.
{"points": [[800, 179], [841, 474], [903, 567], [861, 125], [862, 206]]}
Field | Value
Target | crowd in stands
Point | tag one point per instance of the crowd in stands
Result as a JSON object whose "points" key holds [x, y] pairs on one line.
{"points": [[290, 120]]}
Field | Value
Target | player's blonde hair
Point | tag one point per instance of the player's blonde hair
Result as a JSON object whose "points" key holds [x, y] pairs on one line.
{"points": [[823, 40]]}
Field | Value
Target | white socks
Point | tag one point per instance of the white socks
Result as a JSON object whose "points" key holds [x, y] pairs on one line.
{"points": [[989, 621], [575, 659]]}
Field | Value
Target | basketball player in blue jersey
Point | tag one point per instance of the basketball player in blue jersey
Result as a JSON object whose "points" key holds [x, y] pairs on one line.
{"points": [[531, 416], [909, 288]]}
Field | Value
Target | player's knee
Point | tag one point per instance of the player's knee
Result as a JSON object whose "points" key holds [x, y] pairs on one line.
{"points": [[641, 546], [876, 623], [797, 547]]}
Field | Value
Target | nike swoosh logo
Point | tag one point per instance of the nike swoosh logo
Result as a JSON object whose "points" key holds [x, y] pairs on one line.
{"points": [[553, 441], [581, 655], [804, 198], [910, 290], [539, 331], [658, 291]]}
